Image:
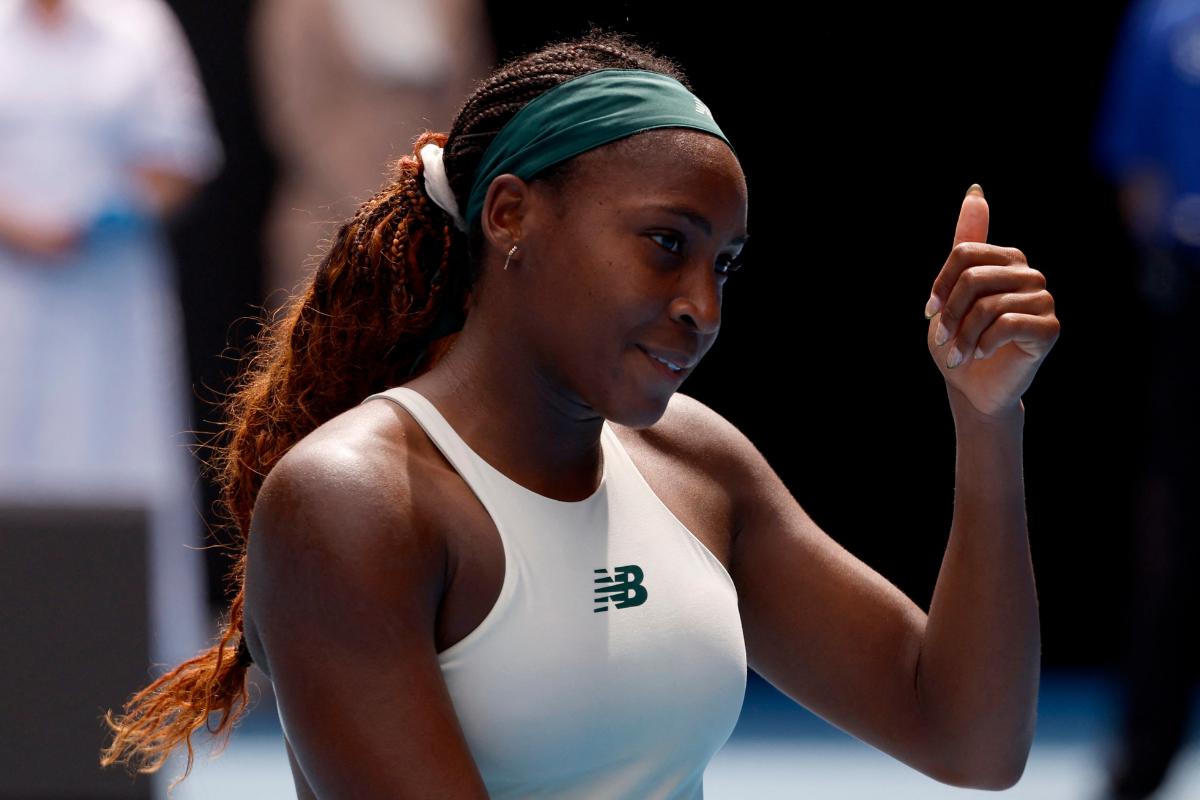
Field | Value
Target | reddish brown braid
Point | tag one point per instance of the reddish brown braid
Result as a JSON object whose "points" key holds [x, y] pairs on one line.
{"points": [[384, 305]]}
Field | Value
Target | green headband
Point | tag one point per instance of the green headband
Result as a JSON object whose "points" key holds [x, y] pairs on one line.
{"points": [[585, 112]]}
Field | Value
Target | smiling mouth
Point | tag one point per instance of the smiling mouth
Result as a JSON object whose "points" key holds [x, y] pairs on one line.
{"points": [[663, 365]]}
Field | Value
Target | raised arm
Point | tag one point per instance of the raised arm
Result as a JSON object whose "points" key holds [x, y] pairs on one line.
{"points": [[837, 637], [952, 693], [343, 584], [980, 661]]}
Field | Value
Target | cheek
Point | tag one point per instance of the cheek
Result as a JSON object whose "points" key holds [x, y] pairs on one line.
{"points": [[598, 341], [577, 329]]}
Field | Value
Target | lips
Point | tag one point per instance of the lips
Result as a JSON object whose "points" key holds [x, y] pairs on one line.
{"points": [[684, 361], [679, 359]]}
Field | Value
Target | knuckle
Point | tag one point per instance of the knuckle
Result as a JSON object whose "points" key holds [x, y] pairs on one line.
{"points": [[963, 249]]}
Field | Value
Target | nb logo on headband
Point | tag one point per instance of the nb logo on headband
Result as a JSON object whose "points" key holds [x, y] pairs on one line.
{"points": [[703, 109]]}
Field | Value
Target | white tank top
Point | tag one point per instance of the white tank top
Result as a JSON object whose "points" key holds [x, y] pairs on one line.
{"points": [[613, 664]]}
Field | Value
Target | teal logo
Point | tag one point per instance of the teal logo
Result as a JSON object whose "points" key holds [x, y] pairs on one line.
{"points": [[624, 589]]}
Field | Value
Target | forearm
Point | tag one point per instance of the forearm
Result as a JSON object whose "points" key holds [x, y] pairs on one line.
{"points": [[978, 671], [42, 239]]}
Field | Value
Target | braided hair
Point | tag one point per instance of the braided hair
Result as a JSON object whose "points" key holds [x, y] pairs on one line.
{"points": [[383, 306]]}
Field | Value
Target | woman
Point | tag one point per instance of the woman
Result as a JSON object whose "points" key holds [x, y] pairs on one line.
{"points": [[539, 569], [94, 403]]}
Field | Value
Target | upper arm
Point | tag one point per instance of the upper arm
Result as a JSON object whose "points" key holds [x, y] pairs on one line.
{"points": [[820, 625], [343, 586]]}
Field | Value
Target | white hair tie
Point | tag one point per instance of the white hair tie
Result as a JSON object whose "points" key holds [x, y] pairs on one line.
{"points": [[437, 185]]}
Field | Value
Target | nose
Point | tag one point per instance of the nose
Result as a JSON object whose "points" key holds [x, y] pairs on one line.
{"points": [[698, 304]]}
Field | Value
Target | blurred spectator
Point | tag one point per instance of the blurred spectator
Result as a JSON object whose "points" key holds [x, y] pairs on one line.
{"points": [[1148, 144], [346, 86], [104, 130]]}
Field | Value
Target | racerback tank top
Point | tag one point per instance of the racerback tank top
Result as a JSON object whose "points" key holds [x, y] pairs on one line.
{"points": [[613, 663]]}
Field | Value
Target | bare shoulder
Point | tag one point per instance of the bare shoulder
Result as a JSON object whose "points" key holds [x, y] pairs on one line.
{"points": [[344, 579], [361, 459], [351, 492], [366, 454], [698, 437], [689, 427]]}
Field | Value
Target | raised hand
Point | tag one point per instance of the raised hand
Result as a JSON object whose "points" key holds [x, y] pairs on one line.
{"points": [[991, 320]]}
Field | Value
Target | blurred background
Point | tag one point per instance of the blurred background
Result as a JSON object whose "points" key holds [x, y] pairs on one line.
{"points": [[168, 172]]}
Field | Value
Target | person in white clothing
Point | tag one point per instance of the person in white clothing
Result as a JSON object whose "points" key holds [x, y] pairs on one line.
{"points": [[104, 132]]}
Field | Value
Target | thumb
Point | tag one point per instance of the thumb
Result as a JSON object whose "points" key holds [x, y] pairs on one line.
{"points": [[973, 218]]}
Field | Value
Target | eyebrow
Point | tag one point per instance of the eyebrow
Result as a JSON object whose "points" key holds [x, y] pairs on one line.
{"points": [[697, 219]]}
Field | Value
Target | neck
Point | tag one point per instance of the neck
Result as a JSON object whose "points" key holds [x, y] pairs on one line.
{"points": [[515, 414]]}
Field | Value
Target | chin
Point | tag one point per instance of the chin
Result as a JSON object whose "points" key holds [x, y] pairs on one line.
{"points": [[644, 415]]}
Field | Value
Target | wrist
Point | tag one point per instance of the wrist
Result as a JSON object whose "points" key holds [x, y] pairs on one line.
{"points": [[965, 412]]}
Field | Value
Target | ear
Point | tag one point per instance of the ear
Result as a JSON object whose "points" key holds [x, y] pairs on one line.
{"points": [[505, 206]]}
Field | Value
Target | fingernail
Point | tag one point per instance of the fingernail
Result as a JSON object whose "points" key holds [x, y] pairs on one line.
{"points": [[976, 188], [933, 306], [955, 357], [978, 353], [941, 335]]}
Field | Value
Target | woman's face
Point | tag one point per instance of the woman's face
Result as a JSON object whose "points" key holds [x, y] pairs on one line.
{"points": [[631, 260]]}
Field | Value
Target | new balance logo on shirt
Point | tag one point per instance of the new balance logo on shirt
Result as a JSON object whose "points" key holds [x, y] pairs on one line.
{"points": [[625, 589]]}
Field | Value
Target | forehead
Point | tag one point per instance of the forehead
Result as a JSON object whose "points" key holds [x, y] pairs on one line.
{"points": [[661, 168]]}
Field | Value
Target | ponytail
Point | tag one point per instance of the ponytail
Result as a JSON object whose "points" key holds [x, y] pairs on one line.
{"points": [[381, 308]]}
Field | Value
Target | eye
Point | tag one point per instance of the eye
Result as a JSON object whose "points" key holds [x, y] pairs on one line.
{"points": [[730, 264], [670, 236]]}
